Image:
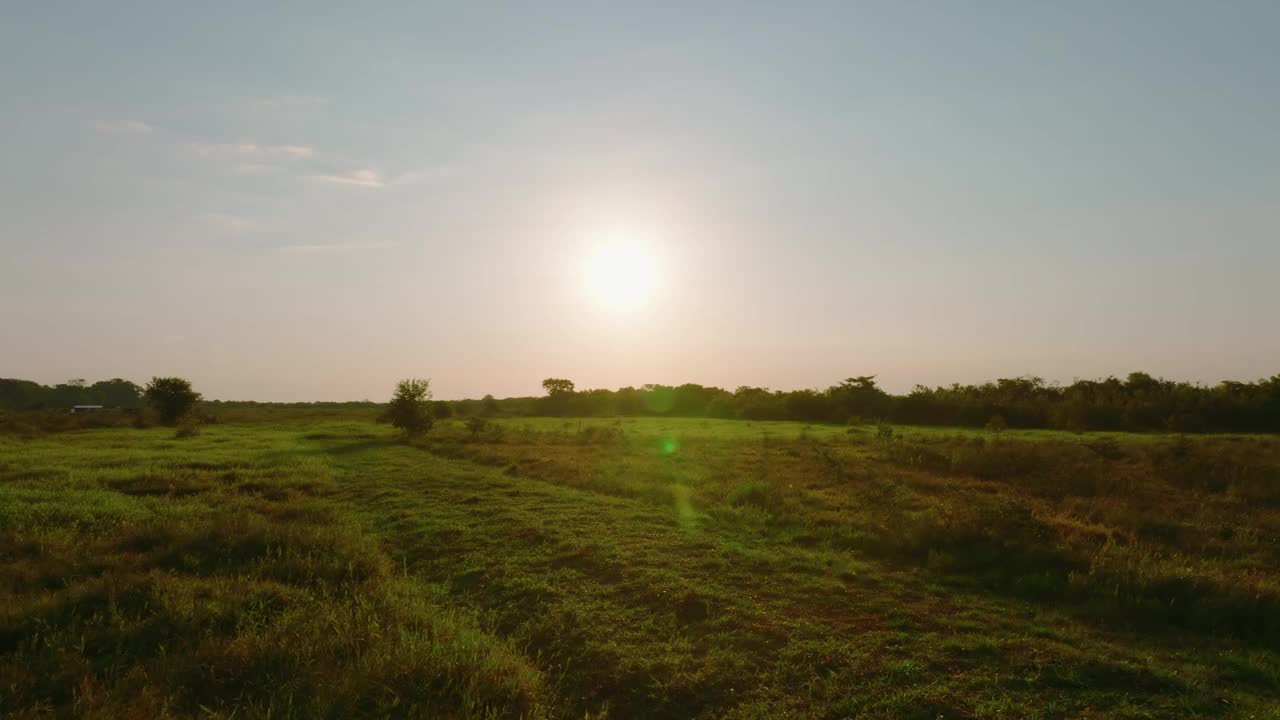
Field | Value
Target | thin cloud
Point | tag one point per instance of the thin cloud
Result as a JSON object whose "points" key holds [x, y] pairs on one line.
{"points": [[361, 178], [257, 168], [253, 150], [295, 151], [319, 249], [123, 127]]}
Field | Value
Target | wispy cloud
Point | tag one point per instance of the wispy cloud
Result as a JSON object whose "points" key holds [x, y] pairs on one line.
{"points": [[253, 150], [123, 127], [318, 249], [228, 223], [306, 162], [361, 178]]}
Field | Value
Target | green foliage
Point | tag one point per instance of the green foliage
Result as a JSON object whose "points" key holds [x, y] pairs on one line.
{"points": [[557, 386], [560, 396], [409, 409], [171, 398], [476, 425], [27, 395], [441, 410], [36, 422], [1137, 403], [997, 425], [188, 426], [202, 582], [292, 563], [884, 432]]}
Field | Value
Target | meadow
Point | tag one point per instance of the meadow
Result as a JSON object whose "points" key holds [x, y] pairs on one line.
{"points": [[288, 563]]}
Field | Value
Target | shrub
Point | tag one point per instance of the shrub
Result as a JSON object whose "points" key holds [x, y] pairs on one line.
{"points": [[997, 425], [187, 426], [409, 409], [884, 432], [171, 397], [476, 425]]}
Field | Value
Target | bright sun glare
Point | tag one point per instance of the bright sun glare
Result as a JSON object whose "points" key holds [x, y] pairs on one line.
{"points": [[622, 274]]}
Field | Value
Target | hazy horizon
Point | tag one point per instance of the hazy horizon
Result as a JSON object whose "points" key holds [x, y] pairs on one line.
{"points": [[310, 204]]}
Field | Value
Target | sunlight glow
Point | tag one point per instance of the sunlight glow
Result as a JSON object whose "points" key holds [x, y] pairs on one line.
{"points": [[622, 274]]}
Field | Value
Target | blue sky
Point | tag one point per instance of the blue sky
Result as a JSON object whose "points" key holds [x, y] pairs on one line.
{"points": [[314, 200]]}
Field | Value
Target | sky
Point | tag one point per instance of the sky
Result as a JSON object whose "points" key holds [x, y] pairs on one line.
{"points": [[312, 200]]}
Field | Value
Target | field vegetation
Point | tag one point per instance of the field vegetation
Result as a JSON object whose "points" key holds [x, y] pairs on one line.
{"points": [[310, 562]]}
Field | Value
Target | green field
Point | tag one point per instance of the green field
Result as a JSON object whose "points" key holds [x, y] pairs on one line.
{"points": [[637, 568]]}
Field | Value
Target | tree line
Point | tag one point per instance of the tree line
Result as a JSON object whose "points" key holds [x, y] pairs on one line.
{"points": [[28, 395], [1138, 402]]}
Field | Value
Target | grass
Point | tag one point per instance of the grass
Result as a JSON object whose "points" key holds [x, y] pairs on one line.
{"points": [[318, 566]]}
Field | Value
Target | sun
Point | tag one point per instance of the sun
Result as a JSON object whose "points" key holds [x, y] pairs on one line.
{"points": [[622, 274]]}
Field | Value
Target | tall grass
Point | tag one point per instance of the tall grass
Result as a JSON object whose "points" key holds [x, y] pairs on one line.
{"points": [[227, 585]]}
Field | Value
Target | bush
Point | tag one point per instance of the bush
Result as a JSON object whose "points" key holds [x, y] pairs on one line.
{"points": [[997, 425], [409, 409], [171, 397], [884, 432], [39, 422], [476, 425], [188, 426]]}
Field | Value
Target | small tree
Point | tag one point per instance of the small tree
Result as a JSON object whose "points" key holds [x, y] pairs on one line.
{"points": [[996, 425], [559, 394], [557, 386], [171, 397], [410, 410], [477, 425]]}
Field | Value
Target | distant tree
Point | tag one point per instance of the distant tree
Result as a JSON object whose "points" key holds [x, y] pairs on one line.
{"points": [[753, 403], [557, 386], [22, 394], [171, 397], [559, 395], [409, 409], [629, 401], [489, 406], [858, 396], [117, 393], [721, 407], [72, 392], [441, 410]]}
